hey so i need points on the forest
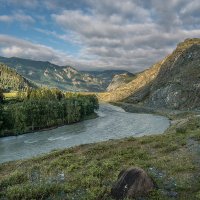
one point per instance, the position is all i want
(41, 108)
(11, 80)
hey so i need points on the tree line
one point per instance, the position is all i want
(42, 108)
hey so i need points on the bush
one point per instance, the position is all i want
(14, 179)
(30, 191)
(181, 130)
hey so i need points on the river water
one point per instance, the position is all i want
(113, 123)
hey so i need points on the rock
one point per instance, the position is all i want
(131, 183)
(119, 80)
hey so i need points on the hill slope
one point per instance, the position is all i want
(119, 80)
(89, 171)
(63, 77)
(11, 80)
(172, 83)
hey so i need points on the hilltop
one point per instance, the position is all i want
(172, 83)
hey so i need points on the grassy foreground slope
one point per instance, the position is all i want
(88, 171)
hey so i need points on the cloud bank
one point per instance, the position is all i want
(129, 34)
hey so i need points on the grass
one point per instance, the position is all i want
(88, 171)
(10, 95)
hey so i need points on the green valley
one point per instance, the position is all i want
(99, 100)
(167, 90)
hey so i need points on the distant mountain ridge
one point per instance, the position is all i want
(108, 76)
(172, 83)
(63, 77)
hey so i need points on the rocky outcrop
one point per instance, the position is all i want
(177, 85)
(131, 183)
(173, 83)
(119, 80)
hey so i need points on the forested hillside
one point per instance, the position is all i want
(63, 77)
(42, 108)
(11, 80)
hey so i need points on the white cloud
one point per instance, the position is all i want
(19, 17)
(14, 47)
(5, 18)
(126, 34)
(21, 3)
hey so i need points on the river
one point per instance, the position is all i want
(113, 123)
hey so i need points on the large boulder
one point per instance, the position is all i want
(131, 183)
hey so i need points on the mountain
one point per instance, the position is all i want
(107, 76)
(172, 83)
(11, 80)
(63, 77)
(120, 80)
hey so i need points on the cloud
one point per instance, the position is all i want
(14, 47)
(21, 3)
(17, 17)
(6, 18)
(129, 34)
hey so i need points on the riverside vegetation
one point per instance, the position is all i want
(43, 108)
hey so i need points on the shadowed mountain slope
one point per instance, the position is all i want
(172, 83)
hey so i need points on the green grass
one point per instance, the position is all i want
(88, 171)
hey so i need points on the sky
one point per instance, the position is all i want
(96, 34)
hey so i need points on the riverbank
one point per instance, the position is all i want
(11, 133)
(113, 123)
(171, 114)
(179, 119)
(88, 171)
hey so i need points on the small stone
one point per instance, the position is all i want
(61, 176)
(172, 194)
